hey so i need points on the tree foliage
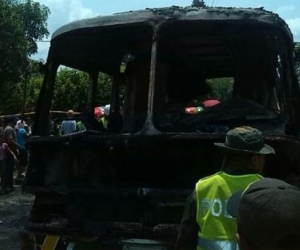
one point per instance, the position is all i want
(71, 90)
(221, 88)
(22, 23)
(12, 95)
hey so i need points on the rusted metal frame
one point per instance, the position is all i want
(41, 121)
(115, 94)
(273, 76)
(294, 90)
(279, 83)
(92, 90)
(295, 84)
(276, 87)
(35, 128)
(93, 84)
(289, 87)
(149, 128)
(128, 229)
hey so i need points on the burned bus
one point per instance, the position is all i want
(125, 187)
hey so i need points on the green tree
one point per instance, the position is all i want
(71, 90)
(221, 88)
(22, 23)
(13, 101)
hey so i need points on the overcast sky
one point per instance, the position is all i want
(65, 11)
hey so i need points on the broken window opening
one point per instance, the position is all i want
(187, 61)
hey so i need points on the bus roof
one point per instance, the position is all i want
(102, 41)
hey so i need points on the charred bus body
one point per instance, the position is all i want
(125, 187)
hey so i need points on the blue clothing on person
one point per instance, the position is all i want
(68, 127)
(21, 137)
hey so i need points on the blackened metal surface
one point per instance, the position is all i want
(70, 47)
(149, 127)
(167, 161)
(93, 83)
(42, 118)
(109, 213)
(128, 186)
(180, 13)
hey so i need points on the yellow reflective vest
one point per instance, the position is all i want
(217, 228)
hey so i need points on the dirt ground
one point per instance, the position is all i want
(14, 210)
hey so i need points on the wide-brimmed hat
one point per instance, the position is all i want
(268, 213)
(245, 139)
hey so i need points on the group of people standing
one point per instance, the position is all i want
(14, 134)
(70, 125)
(13, 152)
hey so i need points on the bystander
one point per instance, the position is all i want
(22, 136)
(68, 126)
(4, 150)
(268, 215)
(10, 139)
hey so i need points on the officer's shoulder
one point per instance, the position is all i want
(216, 175)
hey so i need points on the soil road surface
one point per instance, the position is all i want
(14, 210)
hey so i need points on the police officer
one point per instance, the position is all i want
(205, 223)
